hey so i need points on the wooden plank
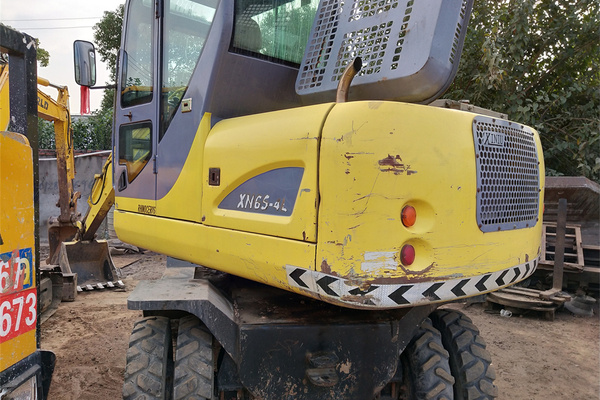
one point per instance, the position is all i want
(590, 247)
(580, 259)
(520, 301)
(548, 265)
(519, 290)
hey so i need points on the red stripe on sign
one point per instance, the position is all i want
(18, 313)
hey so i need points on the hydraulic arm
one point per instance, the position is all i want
(66, 224)
(83, 264)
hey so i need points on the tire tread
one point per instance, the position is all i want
(149, 360)
(470, 362)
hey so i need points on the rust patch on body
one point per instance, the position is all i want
(325, 268)
(421, 272)
(396, 165)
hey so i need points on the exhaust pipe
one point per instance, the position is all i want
(349, 73)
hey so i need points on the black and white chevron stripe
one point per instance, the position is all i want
(381, 296)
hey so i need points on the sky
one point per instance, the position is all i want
(57, 23)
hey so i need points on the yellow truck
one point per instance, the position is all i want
(25, 370)
(288, 150)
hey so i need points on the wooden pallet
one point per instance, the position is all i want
(518, 298)
(574, 260)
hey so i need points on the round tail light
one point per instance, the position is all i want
(407, 255)
(409, 216)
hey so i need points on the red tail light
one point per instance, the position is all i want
(407, 255)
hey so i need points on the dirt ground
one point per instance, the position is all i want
(534, 358)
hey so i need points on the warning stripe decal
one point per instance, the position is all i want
(339, 290)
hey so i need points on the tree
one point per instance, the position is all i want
(91, 133)
(537, 61)
(107, 35)
(94, 133)
(46, 134)
(42, 55)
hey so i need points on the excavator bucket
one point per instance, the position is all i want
(92, 263)
(58, 233)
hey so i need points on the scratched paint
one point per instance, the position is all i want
(377, 260)
(396, 165)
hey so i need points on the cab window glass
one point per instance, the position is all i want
(137, 70)
(135, 148)
(274, 30)
(186, 26)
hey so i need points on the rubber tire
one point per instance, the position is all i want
(194, 361)
(149, 369)
(425, 368)
(470, 362)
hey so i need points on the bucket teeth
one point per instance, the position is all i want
(103, 285)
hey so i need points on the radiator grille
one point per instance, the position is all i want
(508, 187)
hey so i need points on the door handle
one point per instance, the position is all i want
(122, 181)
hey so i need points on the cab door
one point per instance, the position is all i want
(137, 102)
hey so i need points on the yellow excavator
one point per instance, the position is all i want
(292, 151)
(76, 261)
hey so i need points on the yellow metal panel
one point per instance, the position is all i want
(16, 192)
(17, 349)
(374, 158)
(144, 206)
(18, 304)
(257, 257)
(182, 201)
(248, 146)
(4, 98)
(427, 162)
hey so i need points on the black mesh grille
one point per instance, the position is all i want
(508, 179)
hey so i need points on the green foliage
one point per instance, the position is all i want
(43, 57)
(92, 133)
(107, 36)
(538, 61)
(45, 134)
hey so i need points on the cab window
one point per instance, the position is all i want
(135, 147)
(272, 29)
(186, 25)
(137, 66)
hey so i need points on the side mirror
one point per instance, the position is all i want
(84, 55)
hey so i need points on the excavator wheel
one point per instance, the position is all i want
(470, 362)
(149, 369)
(425, 368)
(194, 361)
